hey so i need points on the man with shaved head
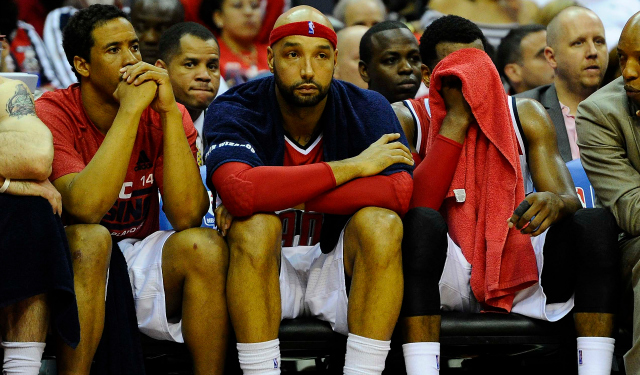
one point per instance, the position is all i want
(577, 51)
(349, 56)
(151, 18)
(608, 126)
(360, 12)
(315, 174)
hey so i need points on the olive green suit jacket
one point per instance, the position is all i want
(609, 141)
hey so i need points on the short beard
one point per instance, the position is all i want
(288, 93)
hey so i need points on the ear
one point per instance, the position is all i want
(549, 54)
(426, 74)
(217, 19)
(335, 59)
(513, 72)
(161, 64)
(362, 69)
(270, 57)
(81, 66)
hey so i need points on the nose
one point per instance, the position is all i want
(404, 67)
(306, 71)
(630, 70)
(130, 58)
(151, 36)
(202, 74)
(592, 50)
(248, 9)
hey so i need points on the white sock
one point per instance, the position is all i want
(422, 358)
(365, 356)
(260, 357)
(595, 355)
(22, 357)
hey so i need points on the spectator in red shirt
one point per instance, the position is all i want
(237, 24)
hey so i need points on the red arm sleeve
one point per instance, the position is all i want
(246, 190)
(432, 177)
(392, 192)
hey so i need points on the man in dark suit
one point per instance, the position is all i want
(608, 124)
(577, 51)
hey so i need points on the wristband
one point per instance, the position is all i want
(5, 186)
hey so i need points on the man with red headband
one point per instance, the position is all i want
(315, 173)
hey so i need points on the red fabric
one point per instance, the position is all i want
(364, 192)
(32, 12)
(273, 10)
(191, 10)
(236, 69)
(76, 140)
(246, 190)
(433, 176)
(502, 259)
(304, 28)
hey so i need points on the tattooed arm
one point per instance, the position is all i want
(26, 144)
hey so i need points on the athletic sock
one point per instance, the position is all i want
(422, 358)
(22, 358)
(595, 355)
(365, 356)
(260, 357)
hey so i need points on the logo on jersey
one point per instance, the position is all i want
(311, 28)
(580, 356)
(143, 162)
(437, 362)
(275, 363)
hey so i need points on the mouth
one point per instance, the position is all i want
(408, 84)
(593, 68)
(307, 88)
(206, 89)
(631, 90)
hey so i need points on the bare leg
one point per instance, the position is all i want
(424, 328)
(253, 288)
(373, 258)
(25, 321)
(90, 246)
(194, 270)
(594, 324)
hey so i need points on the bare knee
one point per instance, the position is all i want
(90, 246)
(377, 233)
(200, 249)
(257, 237)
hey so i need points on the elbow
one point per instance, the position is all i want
(404, 191)
(238, 204)
(40, 167)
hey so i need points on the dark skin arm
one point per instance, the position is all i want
(407, 123)
(556, 195)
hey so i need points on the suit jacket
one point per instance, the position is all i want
(609, 141)
(548, 96)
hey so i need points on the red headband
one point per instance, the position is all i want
(304, 28)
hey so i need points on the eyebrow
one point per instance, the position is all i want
(114, 44)
(292, 44)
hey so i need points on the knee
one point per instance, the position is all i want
(90, 246)
(598, 237)
(201, 249)
(424, 246)
(258, 236)
(379, 231)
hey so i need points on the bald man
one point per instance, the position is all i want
(360, 12)
(314, 210)
(151, 18)
(577, 51)
(608, 126)
(349, 56)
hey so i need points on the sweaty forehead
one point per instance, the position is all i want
(303, 13)
(115, 30)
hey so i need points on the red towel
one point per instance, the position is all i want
(502, 259)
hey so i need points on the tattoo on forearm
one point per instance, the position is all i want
(21, 103)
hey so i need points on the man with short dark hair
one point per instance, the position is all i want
(390, 61)
(120, 138)
(191, 55)
(520, 58)
(577, 51)
(470, 112)
(316, 174)
(151, 18)
(608, 128)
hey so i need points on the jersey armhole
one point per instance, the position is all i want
(417, 129)
(519, 125)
